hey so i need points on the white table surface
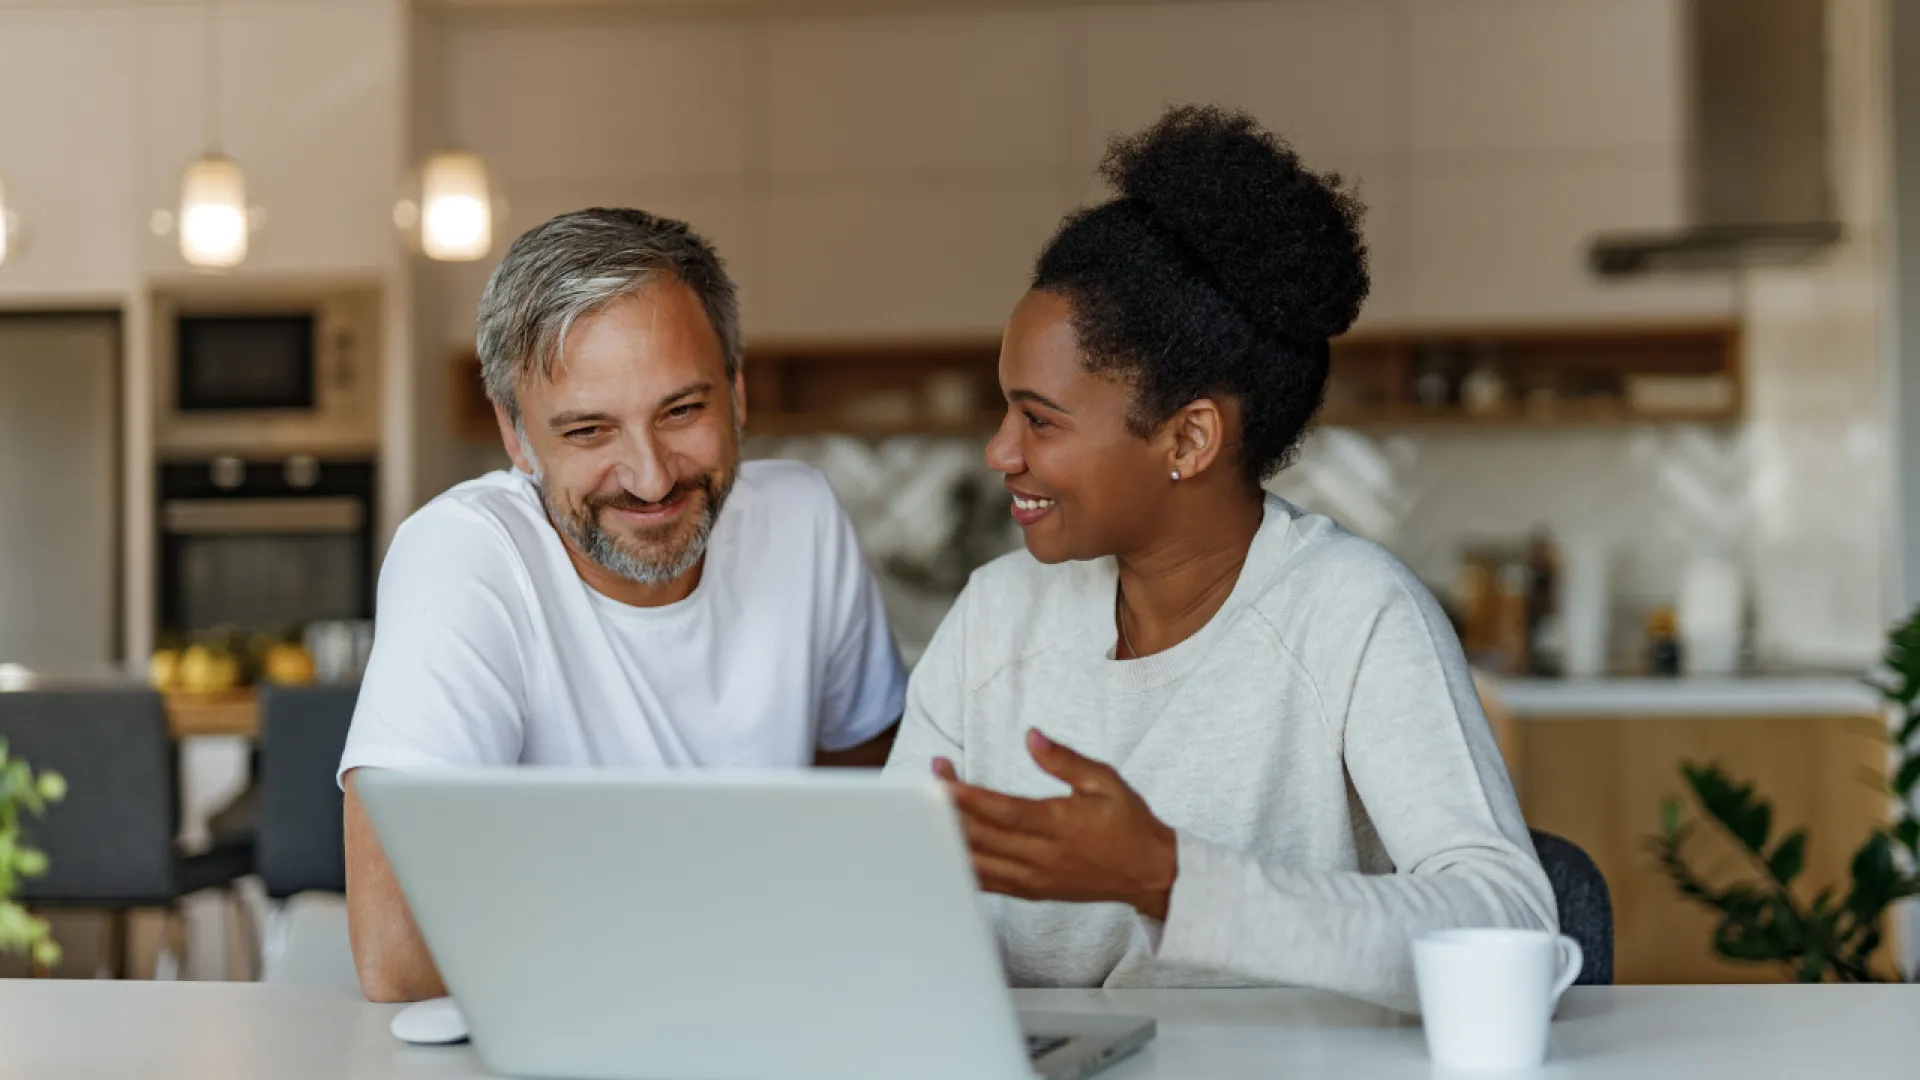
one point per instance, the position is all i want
(1773, 695)
(235, 1031)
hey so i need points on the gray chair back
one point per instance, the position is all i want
(110, 842)
(303, 731)
(1586, 908)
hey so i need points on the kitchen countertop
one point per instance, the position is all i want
(1758, 695)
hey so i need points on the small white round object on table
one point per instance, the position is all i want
(434, 1022)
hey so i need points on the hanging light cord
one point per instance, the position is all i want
(210, 70)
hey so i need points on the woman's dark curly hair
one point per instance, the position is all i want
(1222, 268)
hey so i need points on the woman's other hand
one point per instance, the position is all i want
(1100, 843)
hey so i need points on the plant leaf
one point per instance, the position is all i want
(1789, 858)
(1875, 881)
(1669, 817)
(1908, 833)
(1904, 780)
(1909, 729)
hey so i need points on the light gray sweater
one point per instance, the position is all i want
(1318, 747)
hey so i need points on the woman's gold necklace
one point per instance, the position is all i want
(1120, 617)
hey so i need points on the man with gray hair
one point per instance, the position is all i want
(629, 594)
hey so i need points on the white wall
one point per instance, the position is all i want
(102, 106)
(889, 174)
(875, 173)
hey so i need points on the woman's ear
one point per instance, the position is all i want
(1199, 432)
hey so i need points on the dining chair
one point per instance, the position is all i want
(300, 845)
(1585, 906)
(111, 843)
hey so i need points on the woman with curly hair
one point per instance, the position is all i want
(1279, 771)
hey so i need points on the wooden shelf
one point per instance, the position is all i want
(1586, 373)
(226, 712)
(878, 389)
(1559, 414)
(981, 424)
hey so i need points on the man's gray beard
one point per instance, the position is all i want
(600, 546)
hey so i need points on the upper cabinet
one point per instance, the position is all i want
(911, 168)
(1521, 76)
(1529, 128)
(1488, 139)
(1319, 72)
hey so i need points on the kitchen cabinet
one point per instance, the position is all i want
(1319, 72)
(930, 261)
(1598, 779)
(1530, 128)
(1503, 239)
(59, 584)
(1519, 76)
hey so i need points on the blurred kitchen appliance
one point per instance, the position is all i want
(266, 545)
(1583, 604)
(1711, 615)
(60, 480)
(271, 370)
(1759, 186)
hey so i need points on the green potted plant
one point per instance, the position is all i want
(22, 791)
(1761, 919)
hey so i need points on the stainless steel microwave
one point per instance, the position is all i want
(288, 371)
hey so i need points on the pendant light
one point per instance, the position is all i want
(213, 194)
(213, 212)
(456, 215)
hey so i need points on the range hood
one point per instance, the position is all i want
(1759, 187)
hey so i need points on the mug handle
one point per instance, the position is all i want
(1572, 959)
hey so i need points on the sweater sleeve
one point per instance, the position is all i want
(931, 725)
(1423, 762)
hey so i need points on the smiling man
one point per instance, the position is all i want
(628, 595)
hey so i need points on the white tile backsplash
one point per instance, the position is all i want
(1424, 495)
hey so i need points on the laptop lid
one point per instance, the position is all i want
(702, 925)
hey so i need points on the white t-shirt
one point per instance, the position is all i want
(489, 649)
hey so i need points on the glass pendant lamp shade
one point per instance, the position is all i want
(213, 213)
(456, 215)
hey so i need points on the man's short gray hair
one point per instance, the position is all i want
(573, 266)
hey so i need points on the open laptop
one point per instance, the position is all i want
(716, 926)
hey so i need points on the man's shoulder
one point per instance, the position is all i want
(479, 526)
(786, 508)
(787, 487)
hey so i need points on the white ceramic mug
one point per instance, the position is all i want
(1486, 995)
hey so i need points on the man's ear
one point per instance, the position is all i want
(510, 438)
(740, 398)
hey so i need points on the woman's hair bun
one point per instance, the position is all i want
(1281, 243)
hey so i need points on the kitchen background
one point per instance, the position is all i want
(1711, 451)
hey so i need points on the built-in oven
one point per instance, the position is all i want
(264, 545)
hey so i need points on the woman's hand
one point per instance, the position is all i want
(1101, 843)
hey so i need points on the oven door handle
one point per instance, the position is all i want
(262, 517)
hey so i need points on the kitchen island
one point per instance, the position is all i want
(1592, 760)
